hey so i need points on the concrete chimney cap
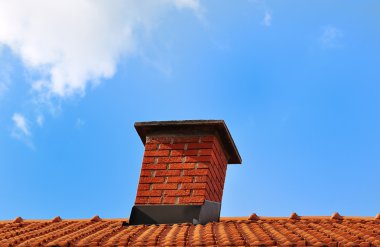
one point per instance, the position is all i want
(192, 127)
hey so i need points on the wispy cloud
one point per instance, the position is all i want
(330, 37)
(3, 87)
(40, 120)
(184, 4)
(21, 130)
(79, 123)
(74, 44)
(267, 19)
(21, 127)
(4, 76)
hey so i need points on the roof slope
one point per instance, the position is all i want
(259, 231)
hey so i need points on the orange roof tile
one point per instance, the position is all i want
(255, 231)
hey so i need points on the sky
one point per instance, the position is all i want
(297, 83)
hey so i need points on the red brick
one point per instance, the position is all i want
(147, 160)
(170, 160)
(213, 196)
(201, 179)
(212, 173)
(186, 139)
(209, 196)
(164, 173)
(145, 180)
(172, 146)
(193, 186)
(197, 172)
(154, 166)
(143, 187)
(192, 152)
(192, 199)
(218, 159)
(208, 138)
(172, 186)
(209, 186)
(160, 153)
(199, 192)
(197, 158)
(203, 165)
(145, 173)
(176, 192)
(141, 200)
(200, 145)
(154, 200)
(175, 153)
(158, 139)
(169, 200)
(149, 193)
(180, 179)
(205, 151)
(151, 146)
(182, 166)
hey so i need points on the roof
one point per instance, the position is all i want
(215, 127)
(252, 231)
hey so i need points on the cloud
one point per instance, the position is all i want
(267, 20)
(75, 44)
(21, 127)
(40, 120)
(183, 4)
(3, 87)
(330, 37)
(79, 123)
(5, 71)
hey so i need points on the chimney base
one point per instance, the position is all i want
(173, 214)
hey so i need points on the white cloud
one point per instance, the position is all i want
(5, 71)
(267, 20)
(330, 37)
(73, 44)
(3, 87)
(192, 4)
(40, 120)
(21, 125)
(79, 123)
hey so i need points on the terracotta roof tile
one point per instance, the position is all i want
(253, 217)
(336, 216)
(18, 220)
(57, 219)
(255, 231)
(96, 218)
(294, 216)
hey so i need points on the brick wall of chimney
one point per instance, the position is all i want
(182, 170)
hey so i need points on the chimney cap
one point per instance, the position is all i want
(215, 127)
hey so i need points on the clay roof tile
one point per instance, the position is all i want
(253, 217)
(96, 218)
(18, 220)
(57, 219)
(336, 216)
(294, 216)
(258, 231)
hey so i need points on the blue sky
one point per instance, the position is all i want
(297, 82)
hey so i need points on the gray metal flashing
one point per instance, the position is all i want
(173, 214)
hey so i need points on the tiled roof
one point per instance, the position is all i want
(253, 231)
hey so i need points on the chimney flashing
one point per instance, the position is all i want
(192, 127)
(175, 214)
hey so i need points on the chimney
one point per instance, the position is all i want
(183, 171)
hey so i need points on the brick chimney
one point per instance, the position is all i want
(183, 171)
